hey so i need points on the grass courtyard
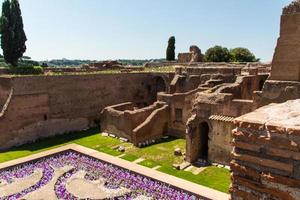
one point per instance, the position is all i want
(159, 155)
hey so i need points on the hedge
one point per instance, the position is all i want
(27, 70)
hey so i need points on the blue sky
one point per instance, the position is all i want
(137, 29)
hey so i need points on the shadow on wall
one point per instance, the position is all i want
(159, 85)
(55, 140)
(203, 143)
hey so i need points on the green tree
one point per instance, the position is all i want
(241, 54)
(13, 37)
(171, 49)
(217, 54)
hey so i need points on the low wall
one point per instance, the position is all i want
(266, 158)
(43, 106)
(122, 119)
(154, 127)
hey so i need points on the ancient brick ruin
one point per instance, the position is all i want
(34, 107)
(284, 81)
(266, 156)
(198, 102)
(138, 125)
(194, 56)
(265, 160)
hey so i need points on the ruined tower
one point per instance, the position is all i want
(286, 61)
(284, 81)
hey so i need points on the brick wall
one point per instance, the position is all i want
(43, 106)
(266, 157)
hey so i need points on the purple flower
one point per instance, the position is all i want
(115, 178)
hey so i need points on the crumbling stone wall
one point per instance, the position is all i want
(122, 119)
(220, 146)
(180, 110)
(217, 106)
(284, 81)
(154, 127)
(184, 57)
(286, 61)
(194, 56)
(266, 158)
(43, 106)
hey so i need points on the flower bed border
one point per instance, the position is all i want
(174, 182)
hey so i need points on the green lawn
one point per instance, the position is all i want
(129, 157)
(148, 163)
(158, 154)
(213, 177)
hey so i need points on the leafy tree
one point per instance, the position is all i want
(13, 37)
(171, 49)
(242, 55)
(217, 54)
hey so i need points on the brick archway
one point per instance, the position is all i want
(203, 132)
(160, 83)
(197, 139)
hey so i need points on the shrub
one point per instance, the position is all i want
(27, 63)
(44, 64)
(27, 70)
(217, 54)
(242, 55)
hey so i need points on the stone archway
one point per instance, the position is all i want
(197, 139)
(203, 140)
(160, 84)
(261, 84)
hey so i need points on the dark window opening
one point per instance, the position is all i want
(45, 117)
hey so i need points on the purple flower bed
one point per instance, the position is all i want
(115, 177)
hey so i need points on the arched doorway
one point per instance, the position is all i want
(157, 85)
(261, 84)
(160, 85)
(203, 143)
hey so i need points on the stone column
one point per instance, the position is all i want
(266, 157)
(192, 139)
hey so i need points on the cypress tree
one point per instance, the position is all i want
(171, 49)
(13, 37)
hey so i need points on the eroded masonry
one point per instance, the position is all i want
(198, 102)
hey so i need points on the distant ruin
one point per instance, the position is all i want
(194, 56)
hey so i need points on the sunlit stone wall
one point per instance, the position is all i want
(266, 157)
